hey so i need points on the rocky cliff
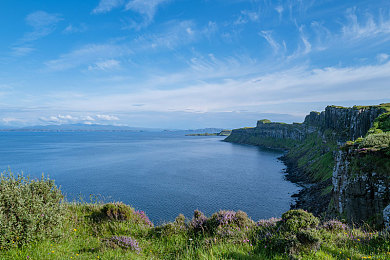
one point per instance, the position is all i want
(342, 152)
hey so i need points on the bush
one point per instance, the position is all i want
(30, 210)
(198, 223)
(117, 211)
(298, 219)
(381, 140)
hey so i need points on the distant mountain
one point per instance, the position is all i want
(82, 127)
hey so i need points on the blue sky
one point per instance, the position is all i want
(189, 64)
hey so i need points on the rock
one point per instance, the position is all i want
(386, 217)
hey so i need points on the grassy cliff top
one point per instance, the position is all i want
(385, 106)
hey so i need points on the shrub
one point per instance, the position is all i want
(198, 223)
(30, 210)
(380, 140)
(298, 219)
(117, 211)
(169, 229)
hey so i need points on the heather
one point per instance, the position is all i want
(115, 230)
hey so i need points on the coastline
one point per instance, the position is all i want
(310, 197)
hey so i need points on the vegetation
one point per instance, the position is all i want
(117, 231)
(316, 163)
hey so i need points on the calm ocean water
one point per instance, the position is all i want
(163, 174)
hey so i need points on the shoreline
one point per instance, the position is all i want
(310, 197)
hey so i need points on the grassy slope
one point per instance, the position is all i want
(83, 235)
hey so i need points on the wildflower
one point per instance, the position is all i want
(52, 251)
(77, 254)
(75, 230)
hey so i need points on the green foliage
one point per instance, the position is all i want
(314, 156)
(381, 124)
(30, 210)
(377, 141)
(117, 211)
(84, 238)
(298, 219)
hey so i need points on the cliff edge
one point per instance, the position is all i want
(340, 155)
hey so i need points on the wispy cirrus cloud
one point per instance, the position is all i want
(105, 65)
(276, 47)
(105, 6)
(75, 29)
(252, 91)
(22, 50)
(368, 26)
(172, 35)
(43, 24)
(92, 55)
(145, 8)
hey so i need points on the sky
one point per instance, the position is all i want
(183, 64)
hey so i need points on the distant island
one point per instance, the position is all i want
(222, 133)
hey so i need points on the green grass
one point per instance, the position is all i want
(82, 238)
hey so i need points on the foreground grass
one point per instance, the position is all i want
(87, 228)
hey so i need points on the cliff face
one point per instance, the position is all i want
(354, 180)
(361, 185)
(347, 123)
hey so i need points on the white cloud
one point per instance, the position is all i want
(43, 24)
(22, 50)
(75, 29)
(147, 9)
(382, 57)
(107, 117)
(247, 16)
(253, 91)
(105, 65)
(280, 10)
(8, 120)
(360, 28)
(173, 35)
(267, 35)
(91, 54)
(107, 5)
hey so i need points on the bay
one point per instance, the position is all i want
(164, 173)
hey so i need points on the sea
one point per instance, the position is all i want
(161, 173)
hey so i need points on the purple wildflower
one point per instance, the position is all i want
(143, 218)
(225, 217)
(334, 225)
(124, 242)
(199, 220)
